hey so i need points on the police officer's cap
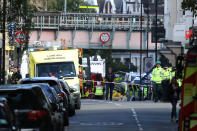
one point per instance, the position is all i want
(158, 62)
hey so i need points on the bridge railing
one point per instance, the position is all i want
(58, 20)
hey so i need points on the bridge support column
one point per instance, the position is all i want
(39, 32)
(89, 37)
(128, 39)
(56, 34)
(73, 37)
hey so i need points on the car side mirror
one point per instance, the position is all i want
(79, 76)
(80, 60)
(72, 90)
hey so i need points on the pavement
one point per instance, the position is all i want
(101, 115)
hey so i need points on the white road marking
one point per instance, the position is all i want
(140, 128)
(101, 124)
(117, 104)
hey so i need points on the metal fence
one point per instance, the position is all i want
(58, 20)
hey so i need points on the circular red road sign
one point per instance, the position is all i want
(105, 37)
(20, 37)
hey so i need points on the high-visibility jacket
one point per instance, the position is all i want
(99, 91)
(157, 75)
(166, 75)
(172, 74)
(179, 81)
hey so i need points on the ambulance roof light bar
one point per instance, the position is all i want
(48, 48)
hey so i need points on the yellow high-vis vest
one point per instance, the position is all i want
(157, 75)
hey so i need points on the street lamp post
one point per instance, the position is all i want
(156, 39)
(65, 6)
(141, 46)
(147, 26)
(3, 41)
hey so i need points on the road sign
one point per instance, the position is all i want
(9, 47)
(20, 37)
(148, 64)
(105, 37)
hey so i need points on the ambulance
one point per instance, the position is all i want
(61, 63)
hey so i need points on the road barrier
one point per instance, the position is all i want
(121, 89)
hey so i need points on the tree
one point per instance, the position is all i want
(20, 10)
(190, 5)
(116, 65)
(72, 5)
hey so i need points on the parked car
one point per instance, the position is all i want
(52, 95)
(76, 96)
(7, 118)
(32, 107)
(71, 97)
(54, 83)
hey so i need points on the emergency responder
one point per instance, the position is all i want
(156, 79)
(16, 76)
(172, 72)
(165, 83)
(109, 83)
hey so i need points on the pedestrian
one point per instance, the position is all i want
(109, 83)
(174, 97)
(156, 78)
(16, 76)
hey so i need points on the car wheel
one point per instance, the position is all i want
(78, 105)
(66, 120)
(60, 127)
(72, 112)
(72, 109)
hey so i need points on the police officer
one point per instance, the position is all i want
(109, 85)
(165, 83)
(16, 76)
(156, 79)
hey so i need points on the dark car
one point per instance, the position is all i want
(76, 95)
(54, 83)
(7, 118)
(71, 97)
(51, 93)
(32, 107)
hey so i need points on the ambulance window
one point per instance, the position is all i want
(59, 69)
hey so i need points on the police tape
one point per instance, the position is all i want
(118, 83)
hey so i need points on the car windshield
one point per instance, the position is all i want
(59, 70)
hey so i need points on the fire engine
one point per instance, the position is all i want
(188, 114)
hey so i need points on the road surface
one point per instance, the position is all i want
(101, 115)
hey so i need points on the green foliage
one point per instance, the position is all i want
(119, 66)
(17, 10)
(72, 5)
(190, 5)
(116, 65)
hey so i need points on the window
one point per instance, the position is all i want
(59, 69)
